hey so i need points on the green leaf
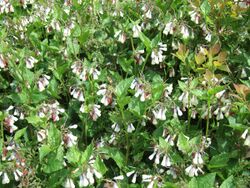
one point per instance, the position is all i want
(126, 64)
(38, 97)
(20, 133)
(73, 46)
(182, 85)
(215, 90)
(146, 41)
(43, 151)
(206, 181)
(100, 166)
(54, 161)
(163, 144)
(205, 7)
(54, 136)
(53, 165)
(87, 153)
(122, 87)
(228, 183)
(219, 161)
(183, 143)
(236, 126)
(156, 40)
(123, 100)
(85, 34)
(116, 155)
(157, 90)
(137, 107)
(193, 183)
(73, 155)
(34, 120)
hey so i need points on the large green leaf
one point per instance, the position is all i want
(205, 7)
(20, 133)
(100, 166)
(54, 136)
(219, 161)
(116, 155)
(183, 143)
(228, 183)
(146, 41)
(122, 86)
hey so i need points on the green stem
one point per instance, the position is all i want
(86, 133)
(2, 133)
(144, 63)
(127, 139)
(208, 114)
(189, 111)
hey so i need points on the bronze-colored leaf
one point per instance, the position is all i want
(200, 58)
(215, 49)
(222, 56)
(242, 89)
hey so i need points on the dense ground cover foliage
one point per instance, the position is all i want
(106, 93)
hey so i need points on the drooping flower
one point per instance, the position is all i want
(197, 160)
(136, 31)
(170, 139)
(95, 73)
(246, 137)
(17, 174)
(149, 178)
(6, 6)
(107, 95)
(177, 112)
(148, 14)
(77, 67)
(208, 37)
(69, 183)
(168, 90)
(51, 111)
(193, 170)
(185, 32)
(41, 135)
(43, 82)
(157, 54)
(9, 123)
(172, 171)
(169, 28)
(220, 94)
(73, 126)
(120, 177)
(122, 38)
(140, 91)
(160, 113)
(77, 94)
(195, 16)
(83, 182)
(95, 113)
(166, 161)
(5, 179)
(66, 32)
(30, 62)
(130, 128)
(3, 62)
(69, 139)
(138, 57)
(116, 127)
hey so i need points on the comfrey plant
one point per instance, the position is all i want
(115, 94)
